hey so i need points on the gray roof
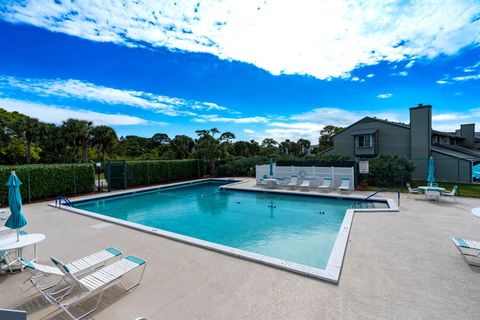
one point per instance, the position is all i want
(359, 132)
(457, 152)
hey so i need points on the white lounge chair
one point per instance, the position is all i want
(327, 184)
(469, 249)
(41, 272)
(411, 190)
(344, 185)
(451, 193)
(293, 182)
(305, 184)
(92, 284)
(433, 194)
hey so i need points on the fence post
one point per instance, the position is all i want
(28, 179)
(74, 181)
(333, 176)
(148, 173)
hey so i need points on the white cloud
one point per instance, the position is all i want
(449, 116)
(410, 64)
(466, 78)
(370, 75)
(441, 82)
(249, 131)
(78, 89)
(56, 114)
(385, 95)
(403, 73)
(240, 120)
(320, 38)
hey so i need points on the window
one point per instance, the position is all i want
(365, 141)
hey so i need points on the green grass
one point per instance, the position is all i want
(464, 190)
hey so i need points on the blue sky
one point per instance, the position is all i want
(256, 68)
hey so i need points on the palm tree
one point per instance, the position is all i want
(28, 129)
(77, 134)
(103, 137)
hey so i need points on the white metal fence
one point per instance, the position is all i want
(314, 174)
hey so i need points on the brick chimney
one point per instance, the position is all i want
(467, 131)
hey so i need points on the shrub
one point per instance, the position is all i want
(240, 167)
(389, 170)
(148, 172)
(49, 180)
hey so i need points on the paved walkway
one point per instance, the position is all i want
(397, 266)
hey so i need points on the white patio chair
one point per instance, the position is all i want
(41, 272)
(344, 185)
(293, 182)
(412, 191)
(305, 185)
(451, 193)
(327, 184)
(94, 283)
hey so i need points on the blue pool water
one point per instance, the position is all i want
(300, 229)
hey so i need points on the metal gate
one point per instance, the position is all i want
(116, 175)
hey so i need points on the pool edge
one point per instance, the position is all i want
(332, 271)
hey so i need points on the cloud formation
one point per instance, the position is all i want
(78, 89)
(324, 39)
(56, 114)
(385, 95)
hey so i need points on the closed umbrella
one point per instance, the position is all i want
(17, 219)
(431, 172)
(271, 167)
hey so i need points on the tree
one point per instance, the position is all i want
(77, 134)
(27, 128)
(269, 147)
(207, 147)
(103, 137)
(182, 146)
(326, 136)
(303, 146)
(161, 138)
(227, 137)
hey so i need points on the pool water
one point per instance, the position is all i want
(300, 229)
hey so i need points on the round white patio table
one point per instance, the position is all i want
(11, 243)
(476, 212)
(433, 188)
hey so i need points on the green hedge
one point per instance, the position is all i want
(389, 170)
(49, 180)
(240, 167)
(148, 172)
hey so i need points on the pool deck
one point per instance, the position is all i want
(397, 266)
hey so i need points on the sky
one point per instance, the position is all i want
(260, 69)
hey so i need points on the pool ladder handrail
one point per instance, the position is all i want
(382, 190)
(59, 199)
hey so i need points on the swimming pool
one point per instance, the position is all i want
(292, 230)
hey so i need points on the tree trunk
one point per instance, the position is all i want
(29, 152)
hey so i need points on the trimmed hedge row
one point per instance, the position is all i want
(41, 181)
(148, 172)
(240, 167)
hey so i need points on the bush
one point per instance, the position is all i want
(49, 180)
(240, 167)
(140, 173)
(389, 170)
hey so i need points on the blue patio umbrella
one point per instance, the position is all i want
(271, 166)
(17, 219)
(431, 172)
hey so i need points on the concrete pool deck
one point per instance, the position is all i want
(397, 266)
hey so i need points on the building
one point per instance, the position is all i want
(455, 153)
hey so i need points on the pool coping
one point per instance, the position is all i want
(334, 265)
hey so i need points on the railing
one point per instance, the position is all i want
(381, 190)
(66, 201)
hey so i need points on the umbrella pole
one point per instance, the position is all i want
(18, 235)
